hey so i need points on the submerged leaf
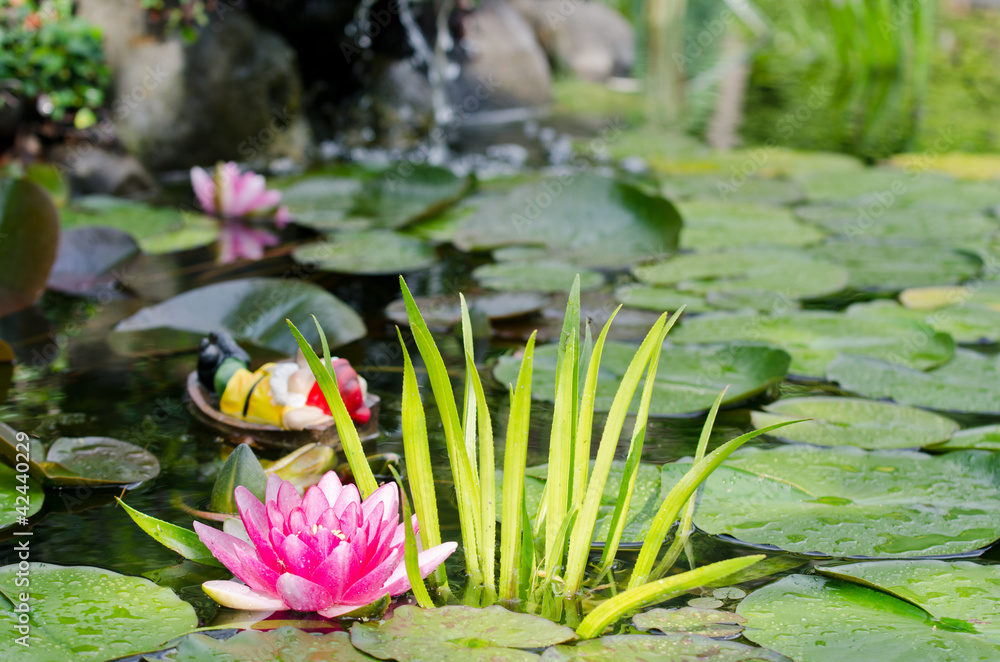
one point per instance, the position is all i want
(29, 235)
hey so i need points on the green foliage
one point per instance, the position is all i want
(45, 50)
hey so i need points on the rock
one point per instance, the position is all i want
(506, 68)
(589, 39)
(234, 93)
(93, 169)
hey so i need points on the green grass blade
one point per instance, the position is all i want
(561, 437)
(583, 532)
(632, 462)
(631, 600)
(513, 509)
(471, 403)
(416, 450)
(410, 549)
(585, 425)
(349, 438)
(686, 525)
(679, 495)
(183, 541)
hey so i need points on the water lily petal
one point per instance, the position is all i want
(348, 496)
(301, 594)
(429, 559)
(298, 556)
(256, 524)
(274, 482)
(226, 548)
(275, 517)
(234, 527)
(369, 586)
(247, 188)
(331, 486)
(314, 504)
(336, 571)
(282, 217)
(297, 521)
(240, 596)
(204, 189)
(388, 495)
(338, 610)
(288, 498)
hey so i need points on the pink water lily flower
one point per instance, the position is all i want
(328, 552)
(228, 193)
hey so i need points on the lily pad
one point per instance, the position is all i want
(587, 219)
(31, 496)
(820, 619)
(846, 502)
(661, 299)
(286, 643)
(970, 382)
(932, 298)
(444, 312)
(691, 620)
(398, 197)
(370, 253)
(717, 186)
(786, 273)
(967, 323)
(689, 380)
(929, 225)
(891, 267)
(323, 202)
(659, 648)
(253, 310)
(29, 235)
(84, 613)
(462, 634)
(90, 259)
(814, 338)
(986, 437)
(855, 422)
(536, 276)
(712, 225)
(156, 229)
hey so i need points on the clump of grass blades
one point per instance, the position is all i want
(559, 537)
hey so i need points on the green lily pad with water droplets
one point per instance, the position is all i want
(286, 643)
(710, 225)
(947, 614)
(788, 275)
(659, 648)
(462, 634)
(921, 224)
(967, 323)
(587, 219)
(891, 267)
(687, 382)
(691, 620)
(854, 422)
(846, 502)
(814, 338)
(986, 437)
(371, 252)
(85, 613)
(970, 382)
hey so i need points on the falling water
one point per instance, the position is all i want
(437, 65)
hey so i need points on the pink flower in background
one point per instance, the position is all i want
(228, 194)
(328, 552)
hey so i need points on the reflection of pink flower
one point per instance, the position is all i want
(328, 552)
(238, 240)
(227, 193)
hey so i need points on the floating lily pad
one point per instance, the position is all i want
(90, 259)
(84, 613)
(286, 643)
(967, 323)
(587, 219)
(986, 437)
(870, 186)
(970, 382)
(820, 619)
(646, 499)
(931, 225)
(786, 273)
(442, 313)
(848, 502)
(660, 299)
(659, 648)
(688, 381)
(713, 225)
(323, 202)
(462, 634)
(932, 298)
(156, 229)
(891, 267)
(814, 338)
(253, 310)
(29, 235)
(31, 493)
(371, 252)
(404, 195)
(691, 620)
(538, 276)
(855, 422)
(718, 186)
